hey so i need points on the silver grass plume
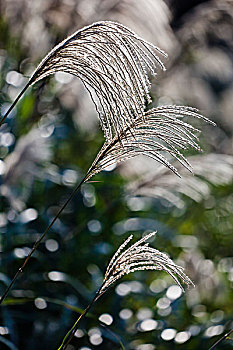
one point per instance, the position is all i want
(158, 182)
(113, 64)
(113, 61)
(161, 130)
(137, 257)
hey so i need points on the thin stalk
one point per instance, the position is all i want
(70, 334)
(20, 270)
(221, 339)
(15, 102)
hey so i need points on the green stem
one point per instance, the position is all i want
(221, 339)
(20, 270)
(15, 102)
(70, 334)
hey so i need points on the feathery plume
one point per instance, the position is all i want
(113, 64)
(160, 131)
(113, 61)
(137, 257)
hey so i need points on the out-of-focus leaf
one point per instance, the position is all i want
(8, 343)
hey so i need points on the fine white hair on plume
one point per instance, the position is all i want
(160, 131)
(138, 257)
(113, 63)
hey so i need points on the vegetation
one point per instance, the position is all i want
(45, 154)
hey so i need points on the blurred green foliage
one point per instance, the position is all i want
(68, 267)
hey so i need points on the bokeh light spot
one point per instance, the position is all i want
(40, 303)
(51, 245)
(14, 78)
(182, 337)
(79, 333)
(158, 285)
(144, 313)
(125, 314)
(148, 325)
(94, 226)
(7, 139)
(163, 303)
(56, 276)
(213, 330)
(4, 330)
(123, 289)
(168, 334)
(173, 292)
(106, 318)
(28, 215)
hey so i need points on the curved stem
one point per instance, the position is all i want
(20, 270)
(221, 339)
(15, 102)
(69, 335)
